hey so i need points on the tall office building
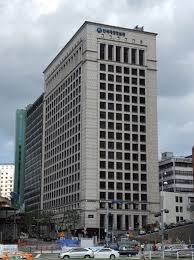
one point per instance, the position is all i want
(176, 172)
(19, 154)
(33, 155)
(7, 179)
(100, 128)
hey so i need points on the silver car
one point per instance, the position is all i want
(77, 253)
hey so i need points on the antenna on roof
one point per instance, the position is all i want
(139, 28)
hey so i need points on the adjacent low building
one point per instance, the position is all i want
(6, 179)
(178, 205)
(175, 173)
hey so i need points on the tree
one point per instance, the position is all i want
(71, 219)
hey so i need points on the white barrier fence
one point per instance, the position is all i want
(168, 254)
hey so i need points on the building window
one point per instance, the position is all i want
(102, 164)
(126, 70)
(103, 195)
(177, 219)
(102, 76)
(177, 209)
(110, 77)
(111, 185)
(102, 185)
(118, 69)
(110, 68)
(103, 67)
(102, 174)
(110, 52)
(126, 55)
(102, 86)
(141, 57)
(102, 51)
(181, 199)
(142, 73)
(181, 209)
(177, 199)
(118, 53)
(133, 56)
(111, 175)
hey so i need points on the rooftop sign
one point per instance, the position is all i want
(109, 31)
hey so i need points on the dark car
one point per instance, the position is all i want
(47, 239)
(127, 251)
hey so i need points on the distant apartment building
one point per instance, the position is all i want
(175, 173)
(33, 155)
(6, 179)
(178, 205)
(100, 128)
(19, 154)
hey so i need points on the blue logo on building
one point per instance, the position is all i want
(99, 30)
(109, 31)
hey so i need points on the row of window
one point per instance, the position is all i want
(120, 175)
(123, 196)
(120, 117)
(120, 186)
(57, 202)
(120, 98)
(120, 69)
(122, 166)
(122, 54)
(112, 106)
(121, 156)
(120, 79)
(66, 67)
(119, 88)
(112, 146)
(126, 127)
(60, 192)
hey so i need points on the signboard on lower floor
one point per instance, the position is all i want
(8, 248)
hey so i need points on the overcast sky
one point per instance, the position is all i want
(32, 33)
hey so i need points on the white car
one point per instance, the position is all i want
(106, 253)
(77, 253)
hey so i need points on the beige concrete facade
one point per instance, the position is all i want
(77, 177)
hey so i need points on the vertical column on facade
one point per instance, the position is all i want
(122, 54)
(122, 222)
(132, 220)
(114, 53)
(115, 221)
(137, 57)
(106, 51)
(129, 221)
(129, 56)
(140, 221)
(98, 53)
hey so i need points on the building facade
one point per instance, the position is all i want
(33, 155)
(176, 173)
(7, 179)
(100, 128)
(20, 154)
(178, 205)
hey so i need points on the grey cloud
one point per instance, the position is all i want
(29, 41)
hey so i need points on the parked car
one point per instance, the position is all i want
(106, 253)
(171, 225)
(142, 232)
(191, 247)
(188, 221)
(127, 251)
(77, 253)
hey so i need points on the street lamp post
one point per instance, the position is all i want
(162, 211)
